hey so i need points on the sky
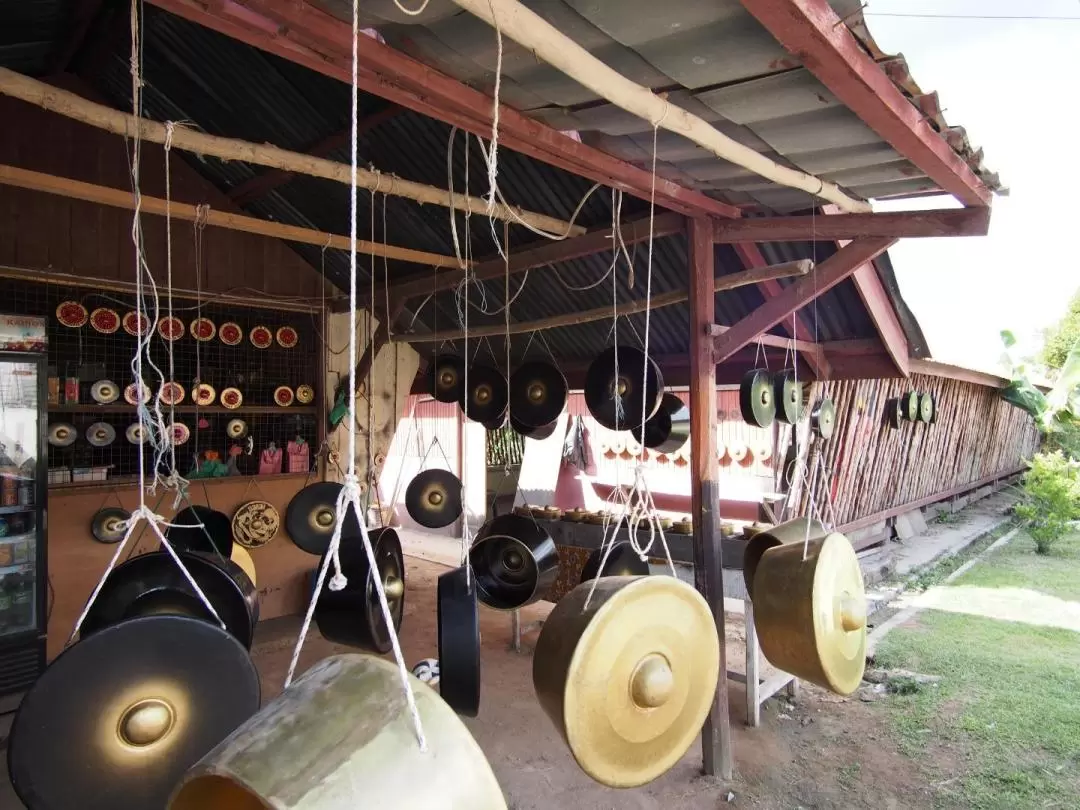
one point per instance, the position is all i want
(1014, 86)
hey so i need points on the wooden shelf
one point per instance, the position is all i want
(305, 410)
(7, 510)
(132, 481)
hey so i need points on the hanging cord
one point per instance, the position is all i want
(493, 158)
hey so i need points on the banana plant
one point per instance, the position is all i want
(1061, 404)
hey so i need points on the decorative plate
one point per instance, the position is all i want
(204, 394)
(171, 393)
(171, 328)
(236, 429)
(72, 313)
(135, 433)
(230, 333)
(287, 337)
(283, 396)
(105, 320)
(132, 323)
(105, 392)
(180, 433)
(62, 434)
(305, 394)
(101, 434)
(134, 392)
(203, 329)
(231, 398)
(261, 337)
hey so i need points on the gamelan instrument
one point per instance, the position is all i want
(200, 528)
(105, 392)
(789, 395)
(539, 433)
(624, 400)
(446, 378)
(433, 498)
(459, 642)
(538, 393)
(895, 411)
(349, 715)
(109, 524)
(100, 434)
(823, 418)
(255, 523)
(810, 614)
(623, 561)
(62, 434)
(117, 719)
(310, 517)
(353, 615)
(153, 584)
(927, 411)
(909, 402)
(514, 562)
(793, 531)
(241, 557)
(629, 678)
(669, 428)
(486, 398)
(757, 400)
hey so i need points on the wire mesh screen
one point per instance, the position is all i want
(261, 366)
(504, 448)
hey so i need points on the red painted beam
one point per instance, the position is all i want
(950, 372)
(898, 224)
(811, 31)
(825, 276)
(879, 306)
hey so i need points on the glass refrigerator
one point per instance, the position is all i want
(23, 490)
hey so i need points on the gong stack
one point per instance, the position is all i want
(514, 562)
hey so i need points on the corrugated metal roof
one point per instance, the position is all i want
(31, 32)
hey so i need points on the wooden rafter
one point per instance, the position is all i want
(82, 18)
(898, 225)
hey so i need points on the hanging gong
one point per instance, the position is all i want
(62, 434)
(793, 531)
(894, 411)
(459, 642)
(109, 524)
(236, 429)
(498, 421)
(669, 428)
(255, 523)
(486, 398)
(623, 561)
(823, 418)
(214, 533)
(738, 451)
(539, 433)
(628, 680)
(433, 498)
(310, 516)
(354, 615)
(909, 402)
(537, 394)
(446, 378)
(117, 718)
(789, 394)
(347, 713)
(242, 558)
(810, 614)
(926, 408)
(153, 583)
(514, 561)
(624, 400)
(757, 400)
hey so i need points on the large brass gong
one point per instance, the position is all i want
(629, 680)
(794, 531)
(810, 614)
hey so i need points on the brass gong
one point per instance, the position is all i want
(514, 562)
(894, 411)
(539, 434)
(242, 558)
(433, 498)
(789, 395)
(116, 719)
(926, 408)
(255, 523)
(310, 517)
(537, 394)
(810, 614)
(446, 378)
(823, 418)
(761, 540)
(200, 528)
(109, 524)
(622, 390)
(757, 399)
(629, 680)
(909, 403)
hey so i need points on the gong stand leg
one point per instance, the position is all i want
(516, 630)
(753, 684)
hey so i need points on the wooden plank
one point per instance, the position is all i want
(898, 225)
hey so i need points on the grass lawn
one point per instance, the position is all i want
(1002, 729)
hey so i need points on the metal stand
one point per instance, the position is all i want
(516, 629)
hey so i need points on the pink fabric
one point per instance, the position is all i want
(299, 456)
(270, 462)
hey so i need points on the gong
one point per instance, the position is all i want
(349, 714)
(669, 428)
(810, 614)
(214, 533)
(514, 562)
(485, 400)
(433, 498)
(242, 558)
(353, 615)
(789, 395)
(623, 400)
(757, 400)
(537, 394)
(793, 531)
(623, 561)
(823, 418)
(894, 412)
(109, 524)
(310, 516)
(459, 642)
(926, 408)
(117, 718)
(498, 421)
(539, 434)
(62, 434)
(153, 584)
(909, 402)
(255, 523)
(629, 679)
(446, 378)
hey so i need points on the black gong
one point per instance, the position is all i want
(933, 407)
(433, 498)
(926, 408)
(788, 393)
(446, 377)
(310, 517)
(215, 532)
(514, 562)
(615, 400)
(486, 397)
(117, 719)
(623, 561)
(353, 615)
(757, 400)
(537, 395)
(894, 411)
(498, 421)
(459, 642)
(823, 418)
(669, 427)
(108, 524)
(538, 433)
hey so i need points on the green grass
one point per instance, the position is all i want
(1017, 565)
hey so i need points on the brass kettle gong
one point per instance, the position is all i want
(793, 531)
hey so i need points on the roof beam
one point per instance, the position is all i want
(308, 36)
(827, 275)
(83, 16)
(812, 32)
(897, 225)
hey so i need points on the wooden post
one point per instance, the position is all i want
(704, 484)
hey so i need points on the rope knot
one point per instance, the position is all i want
(142, 511)
(170, 128)
(351, 488)
(338, 582)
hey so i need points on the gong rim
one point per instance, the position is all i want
(894, 412)
(446, 378)
(103, 525)
(251, 534)
(926, 408)
(304, 517)
(823, 418)
(487, 396)
(505, 580)
(537, 434)
(213, 536)
(910, 405)
(669, 428)
(86, 694)
(458, 616)
(623, 561)
(538, 393)
(600, 383)
(792, 531)
(757, 401)
(789, 395)
(421, 493)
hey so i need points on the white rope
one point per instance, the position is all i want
(493, 158)
(412, 12)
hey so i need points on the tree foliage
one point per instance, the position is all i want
(1063, 336)
(1051, 498)
(1061, 405)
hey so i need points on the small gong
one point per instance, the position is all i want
(514, 562)
(823, 418)
(622, 390)
(433, 498)
(909, 402)
(669, 428)
(894, 411)
(757, 399)
(109, 524)
(310, 517)
(537, 394)
(446, 378)
(789, 395)
(459, 642)
(486, 398)
(926, 408)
